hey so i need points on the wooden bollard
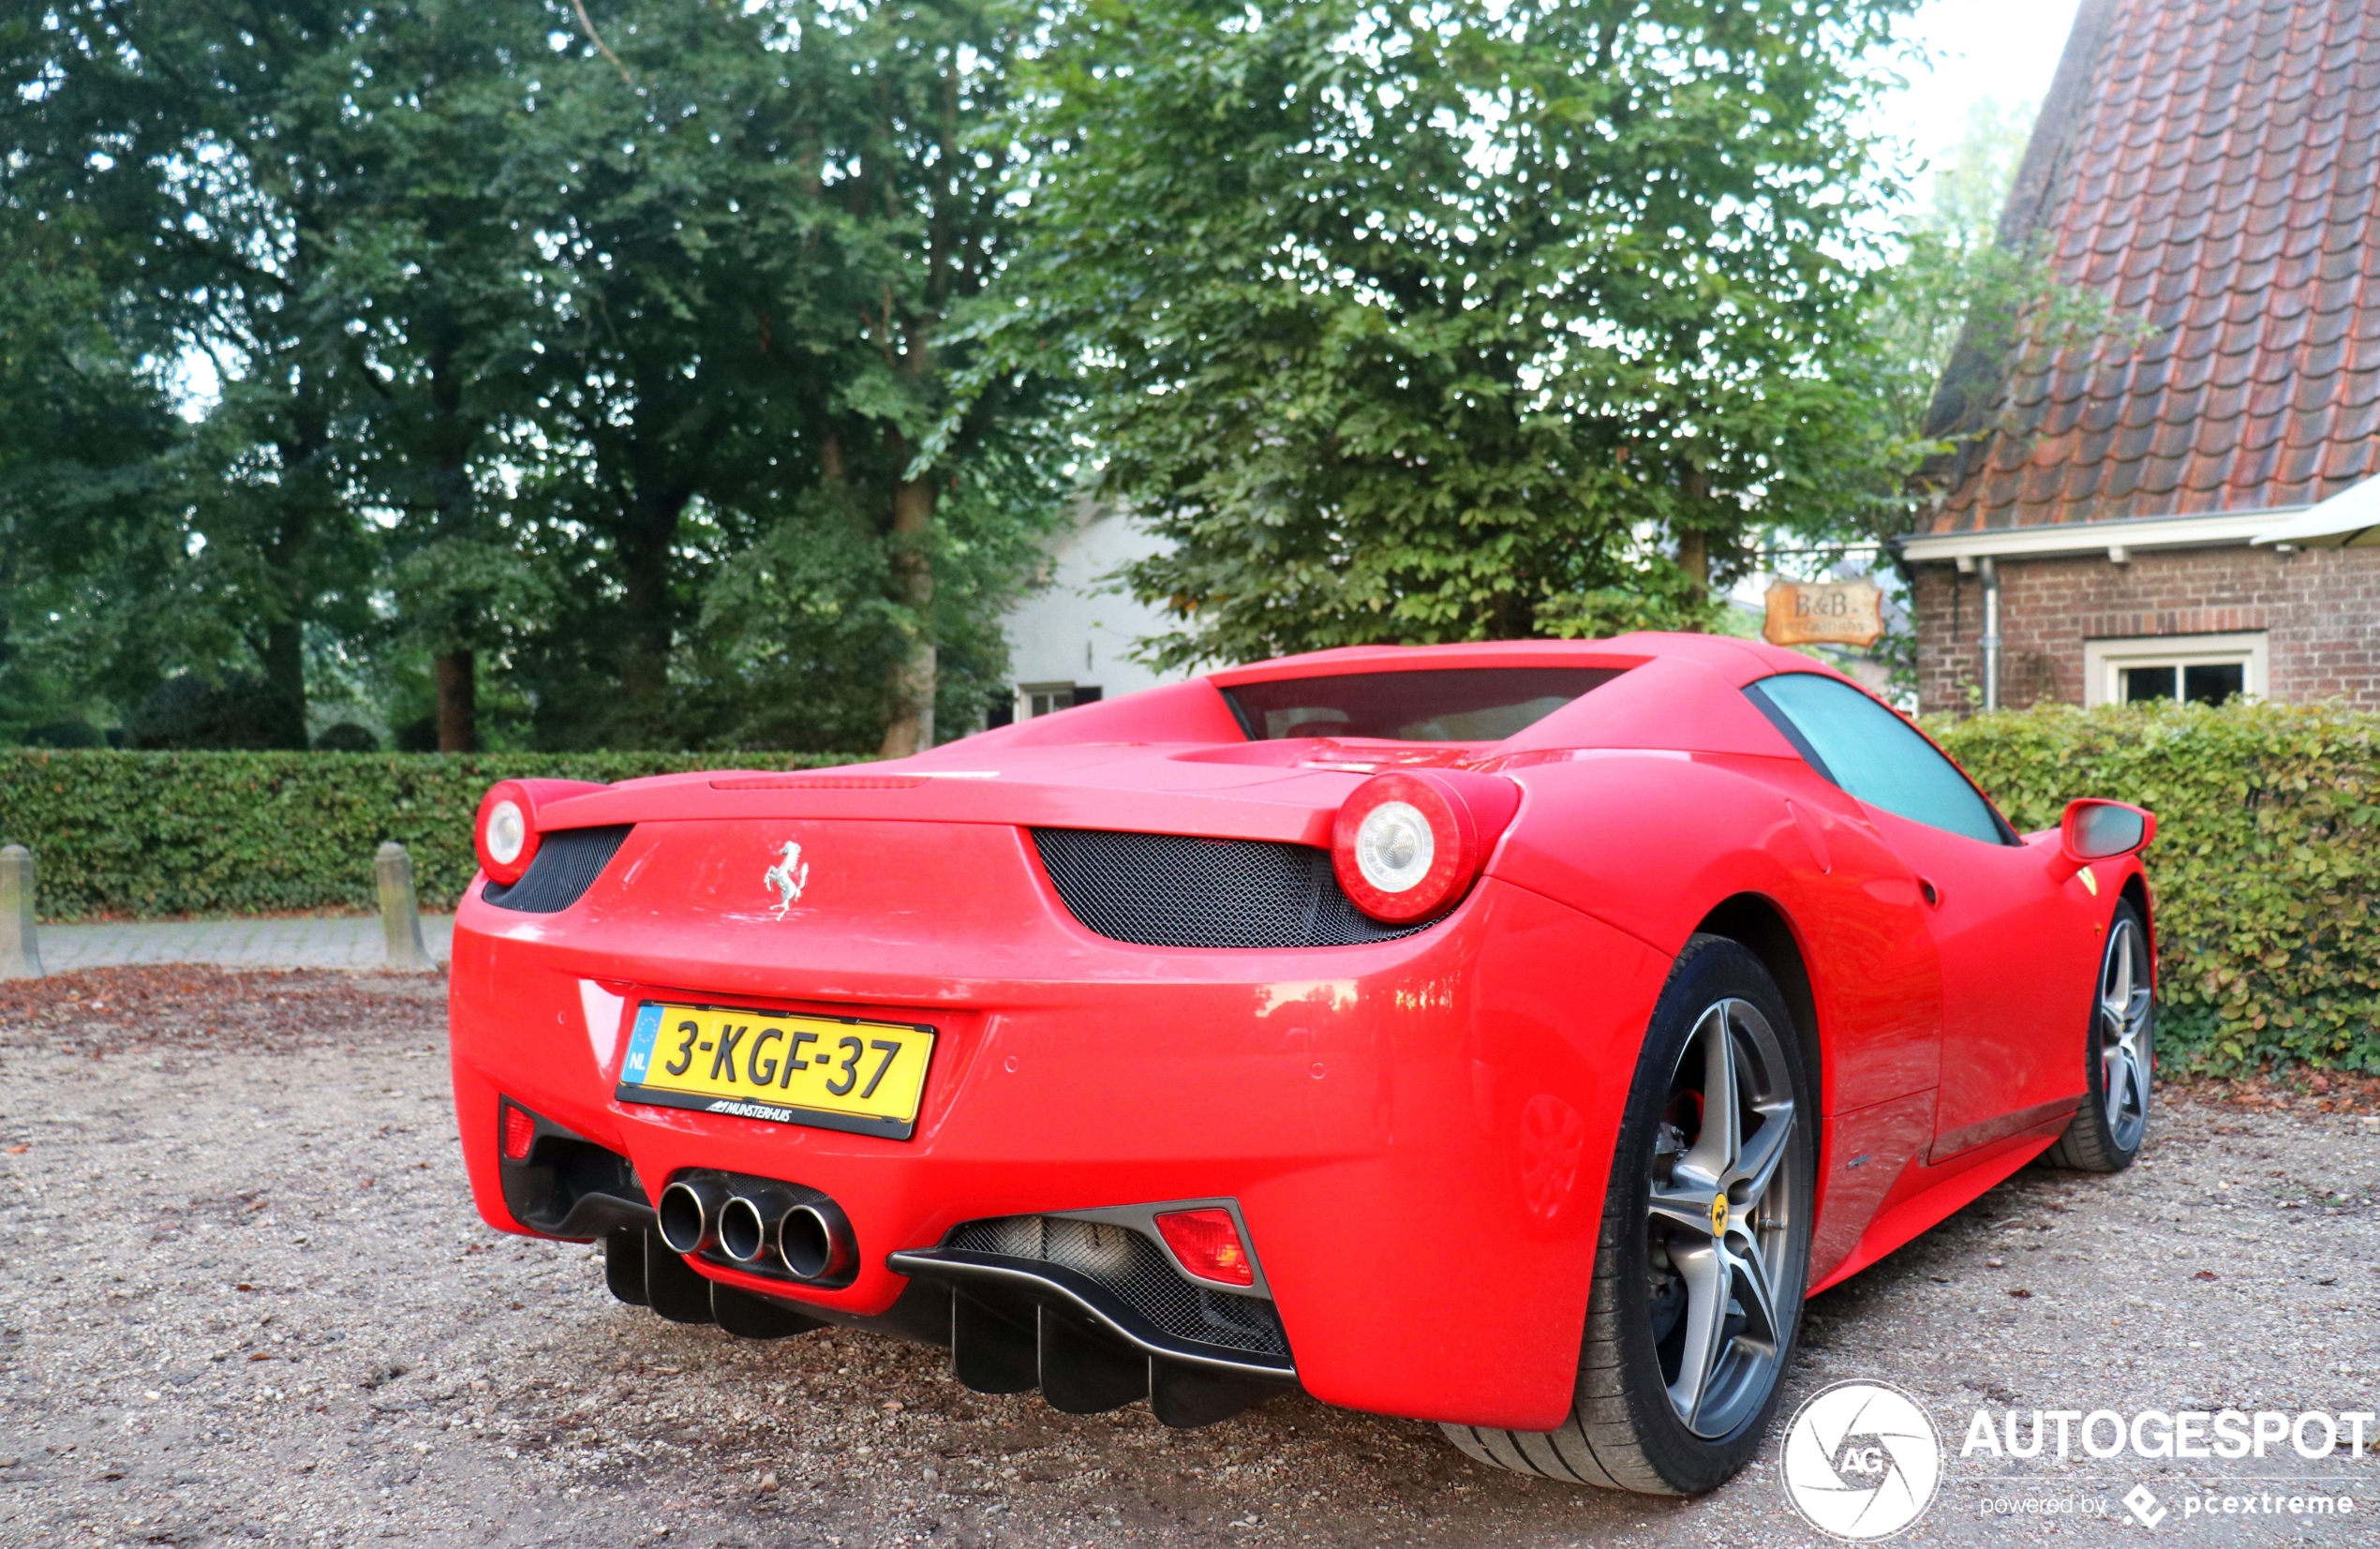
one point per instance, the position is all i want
(400, 913)
(20, 942)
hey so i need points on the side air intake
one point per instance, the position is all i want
(1179, 890)
(567, 864)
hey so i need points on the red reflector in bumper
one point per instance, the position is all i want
(1207, 1241)
(520, 1132)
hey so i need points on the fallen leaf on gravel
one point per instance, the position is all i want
(19, 1151)
(2204, 1275)
(267, 1355)
(2019, 1292)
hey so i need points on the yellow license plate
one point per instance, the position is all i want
(825, 1072)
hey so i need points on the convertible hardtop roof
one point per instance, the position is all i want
(1740, 661)
(1671, 691)
(1176, 758)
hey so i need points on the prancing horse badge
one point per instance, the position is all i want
(789, 877)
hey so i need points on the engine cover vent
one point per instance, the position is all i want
(1180, 890)
(566, 865)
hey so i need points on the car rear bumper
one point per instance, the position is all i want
(1415, 1132)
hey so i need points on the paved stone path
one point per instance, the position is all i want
(345, 941)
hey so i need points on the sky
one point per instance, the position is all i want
(2004, 50)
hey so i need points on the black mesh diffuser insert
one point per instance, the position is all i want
(566, 865)
(1176, 890)
(1138, 1270)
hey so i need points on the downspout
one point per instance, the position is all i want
(1990, 641)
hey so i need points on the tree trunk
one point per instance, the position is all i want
(451, 438)
(911, 728)
(285, 676)
(650, 628)
(1694, 557)
(457, 703)
(1694, 543)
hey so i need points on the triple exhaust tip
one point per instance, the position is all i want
(750, 1225)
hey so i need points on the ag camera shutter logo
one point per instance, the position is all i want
(1862, 1461)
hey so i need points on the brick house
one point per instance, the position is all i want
(2214, 167)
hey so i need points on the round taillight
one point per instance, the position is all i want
(1394, 847)
(1410, 843)
(507, 832)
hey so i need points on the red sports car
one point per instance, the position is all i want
(1507, 1035)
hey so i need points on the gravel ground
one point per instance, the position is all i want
(247, 1301)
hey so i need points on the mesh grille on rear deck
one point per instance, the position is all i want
(1177, 891)
(1137, 1270)
(566, 865)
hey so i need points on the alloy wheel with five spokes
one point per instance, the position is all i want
(2120, 1054)
(1716, 1223)
(2123, 1034)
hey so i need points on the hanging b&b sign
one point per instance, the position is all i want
(1824, 613)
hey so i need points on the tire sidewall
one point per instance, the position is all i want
(2095, 1065)
(1710, 970)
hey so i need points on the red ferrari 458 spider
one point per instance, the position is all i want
(1507, 1035)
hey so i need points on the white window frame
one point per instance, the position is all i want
(2104, 661)
(1025, 693)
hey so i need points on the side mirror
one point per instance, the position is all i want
(2100, 830)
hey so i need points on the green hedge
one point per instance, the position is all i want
(2265, 868)
(230, 833)
(2264, 871)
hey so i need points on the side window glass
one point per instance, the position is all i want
(1873, 753)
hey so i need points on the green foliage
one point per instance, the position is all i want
(529, 322)
(1446, 322)
(227, 833)
(2265, 870)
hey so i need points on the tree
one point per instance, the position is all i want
(85, 448)
(217, 138)
(557, 346)
(437, 265)
(763, 219)
(1469, 321)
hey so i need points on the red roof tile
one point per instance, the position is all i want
(2214, 167)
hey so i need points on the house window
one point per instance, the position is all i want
(1035, 700)
(2202, 669)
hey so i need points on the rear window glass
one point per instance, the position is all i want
(1439, 705)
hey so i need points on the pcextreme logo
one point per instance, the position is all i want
(1862, 1461)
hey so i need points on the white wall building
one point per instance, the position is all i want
(1069, 641)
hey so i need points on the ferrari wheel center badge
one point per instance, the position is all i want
(1719, 1216)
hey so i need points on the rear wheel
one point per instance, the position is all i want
(1704, 1249)
(2113, 1122)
